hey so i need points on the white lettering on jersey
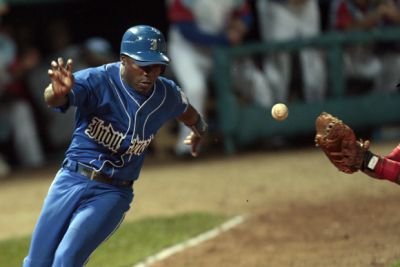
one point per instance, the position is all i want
(138, 146)
(104, 135)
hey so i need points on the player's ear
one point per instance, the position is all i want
(123, 59)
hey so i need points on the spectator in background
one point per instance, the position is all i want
(15, 109)
(57, 128)
(379, 62)
(7, 47)
(18, 106)
(196, 28)
(97, 51)
(4, 51)
(4, 167)
(3, 8)
(287, 20)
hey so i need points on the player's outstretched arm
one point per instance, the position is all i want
(379, 167)
(350, 155)
(62, 81)
(196, 123)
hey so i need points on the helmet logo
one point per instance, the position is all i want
(154, 44)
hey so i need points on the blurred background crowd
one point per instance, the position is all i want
(32, 33)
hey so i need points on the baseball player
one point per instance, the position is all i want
(119, 108)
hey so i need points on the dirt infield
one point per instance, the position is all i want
(337, 234)
(302, 211)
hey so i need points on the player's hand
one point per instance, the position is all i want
(61, 76)
(194, 141)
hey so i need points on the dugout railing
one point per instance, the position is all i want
(243, 124)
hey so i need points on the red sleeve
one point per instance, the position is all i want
(388, 169)
(342, 17)
(177, 12)
(395, 154)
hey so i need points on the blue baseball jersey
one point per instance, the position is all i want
(114, 123)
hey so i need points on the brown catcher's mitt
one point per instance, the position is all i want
(339, 143)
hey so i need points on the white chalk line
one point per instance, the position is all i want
(235, 221)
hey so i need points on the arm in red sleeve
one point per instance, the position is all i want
(395, 154)
(382, 167)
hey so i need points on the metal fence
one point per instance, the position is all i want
(243, 124)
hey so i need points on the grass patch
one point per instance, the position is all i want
(13, 251)
(133, 242)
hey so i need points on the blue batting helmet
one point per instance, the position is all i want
(145, 45)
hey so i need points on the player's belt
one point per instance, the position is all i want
(95, 175)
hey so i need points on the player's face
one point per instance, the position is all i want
(141, 78)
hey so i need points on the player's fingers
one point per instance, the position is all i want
(62, 67)
(60, 74)
(194, 141)
(65, 69)
(195, 146)
(54, 65)
(60, 62)
(58, 88)
(54, 75)
(66, 72)
(194, 153)
(68, 67)
(188, 140)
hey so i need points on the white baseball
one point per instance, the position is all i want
(279, 111)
